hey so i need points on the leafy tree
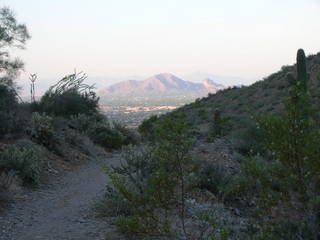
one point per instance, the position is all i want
(12, 35)
(8, 105)
(155, 182)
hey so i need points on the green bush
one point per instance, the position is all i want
(7, 120)
(69, 97)
(113, 204)
(68, 103)
(219, 126)
(155, 180)
(82, 143)
(106, 137)
(215, 219)
(83, 123)
(255, 179)
(42, 130)
(202, 113)
(8, 98)
(101, 131)
(284, 230)
(130, 136)
(26, 158)
(248, 138)
(8, 106)
(212, 177)
(146, 128)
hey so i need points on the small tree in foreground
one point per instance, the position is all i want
(155, 183)
(12, 35)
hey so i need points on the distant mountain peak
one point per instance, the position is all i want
(208, 80)
(165, 74)
(162, 83)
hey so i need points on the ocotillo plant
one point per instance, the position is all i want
(32, 78)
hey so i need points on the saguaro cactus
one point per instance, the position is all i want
(217, 123)
(302, 75)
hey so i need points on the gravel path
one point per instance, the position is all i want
(60, 210)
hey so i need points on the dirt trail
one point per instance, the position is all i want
(60, 210)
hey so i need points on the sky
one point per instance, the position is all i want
(249, 39)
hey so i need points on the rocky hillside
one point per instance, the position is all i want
(266, 95)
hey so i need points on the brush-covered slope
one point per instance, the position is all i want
(266, 95)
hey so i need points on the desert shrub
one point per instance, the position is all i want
(106, 136)
(146, 128)
(103, 132)
(139, 165)
(219, 126)
(42, 130)
(130, 136)
(285, 229)
(82, 143)
(212, 177)
(7, 179)
(7, 123)
(8, 105)
(59, 135)
(248, 138)
(70, 96)
(68, 103)
(202, 113)
(155, 180)
(83, 122)
(26, 158)
(8, 98)
(255, 179)
(214, 221)
(113, 204)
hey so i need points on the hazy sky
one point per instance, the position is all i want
(118, 38)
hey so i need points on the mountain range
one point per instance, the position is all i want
(162, 84)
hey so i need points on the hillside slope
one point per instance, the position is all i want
(266, 95)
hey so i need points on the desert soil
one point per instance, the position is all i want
(61, 209)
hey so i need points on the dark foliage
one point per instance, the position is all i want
(68, 103)
(146, 128)
(12, 34)
(8, 107)
(70, 96)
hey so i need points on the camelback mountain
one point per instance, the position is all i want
(161, 84)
